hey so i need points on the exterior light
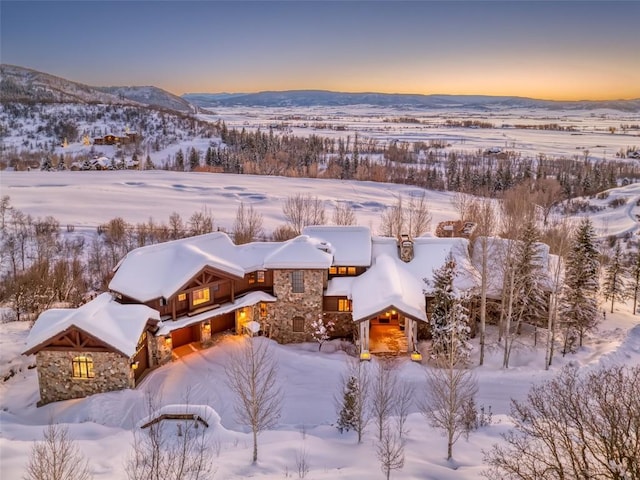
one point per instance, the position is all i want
(167, 341)
(207, 326)
(365, 356)
(393, 312)
(416, 356)
(243, 314)
(135, 365)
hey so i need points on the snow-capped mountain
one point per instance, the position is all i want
(304, 98)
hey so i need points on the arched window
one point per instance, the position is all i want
(83, 366)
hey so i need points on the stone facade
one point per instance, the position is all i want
(160, 350)
(307, 305)
(55, 374)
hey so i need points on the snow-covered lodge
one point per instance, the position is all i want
(169, 299)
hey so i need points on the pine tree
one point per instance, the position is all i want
(449, 320)
(347, 417)
(578, 305)
(530, 297)
(615, 287)
(180, 161)
(194, 159)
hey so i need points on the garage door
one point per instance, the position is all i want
(185, 335)
(223, 322)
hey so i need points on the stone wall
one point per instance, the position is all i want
(55, 375)
(160, 351)
(307, 305)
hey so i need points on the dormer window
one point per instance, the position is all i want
(257, 277)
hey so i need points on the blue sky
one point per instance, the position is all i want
(544, 49)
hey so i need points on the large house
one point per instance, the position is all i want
(171, 298)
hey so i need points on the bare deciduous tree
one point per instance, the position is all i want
(201, 222)
(574, 426)
(413, 218)
(383, 388)
(252, 375)
(390, 452)
(302, 210)
(483, 214)
(547, 194)
(403, 400)
(247, 226)
(462, 202)
(450, 389)
(168, 451)
(56, 457)
(344, 214)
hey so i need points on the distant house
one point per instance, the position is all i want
(168, 299)
(121, 139)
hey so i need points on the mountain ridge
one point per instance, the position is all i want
(311, 97)
(26, 85)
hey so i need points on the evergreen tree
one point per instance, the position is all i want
(530, 297)
(209, 157)
(180, 161)
(578, 304)
(615, 287)
(194, 159)
(449, 320)
(347, 417)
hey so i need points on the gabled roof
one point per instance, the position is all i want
(117, 325)
(300, 252)
(159, 270)
(387, 284)
(351, 244)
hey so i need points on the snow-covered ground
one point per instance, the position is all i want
(87, 199)
(102, 424)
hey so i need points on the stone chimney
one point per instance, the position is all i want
(405, 247)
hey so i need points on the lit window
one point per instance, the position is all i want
(252, 278)
(297, 281)
(83, 367)
(344, 305)
(298, 324)
(351, 270)
(260, 276)
(263, 310)
(342, 270)
(201, 296)
(182, 297)
(333, 270)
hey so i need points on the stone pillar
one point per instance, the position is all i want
(164, 348)
(411, 329)
(205, 333)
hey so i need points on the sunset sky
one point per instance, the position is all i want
(554, 50)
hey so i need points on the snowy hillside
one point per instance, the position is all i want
(152, 96)
(21, 84)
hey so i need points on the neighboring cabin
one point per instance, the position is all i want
(169, 299)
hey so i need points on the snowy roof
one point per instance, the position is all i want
(387, 283)
(339, 287)
(429, 254)
(115, 324)
(160, 270)
(301, 252)
(351, 244)
(247, 300)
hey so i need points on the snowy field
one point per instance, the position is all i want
(588, 131)
(102, 424)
